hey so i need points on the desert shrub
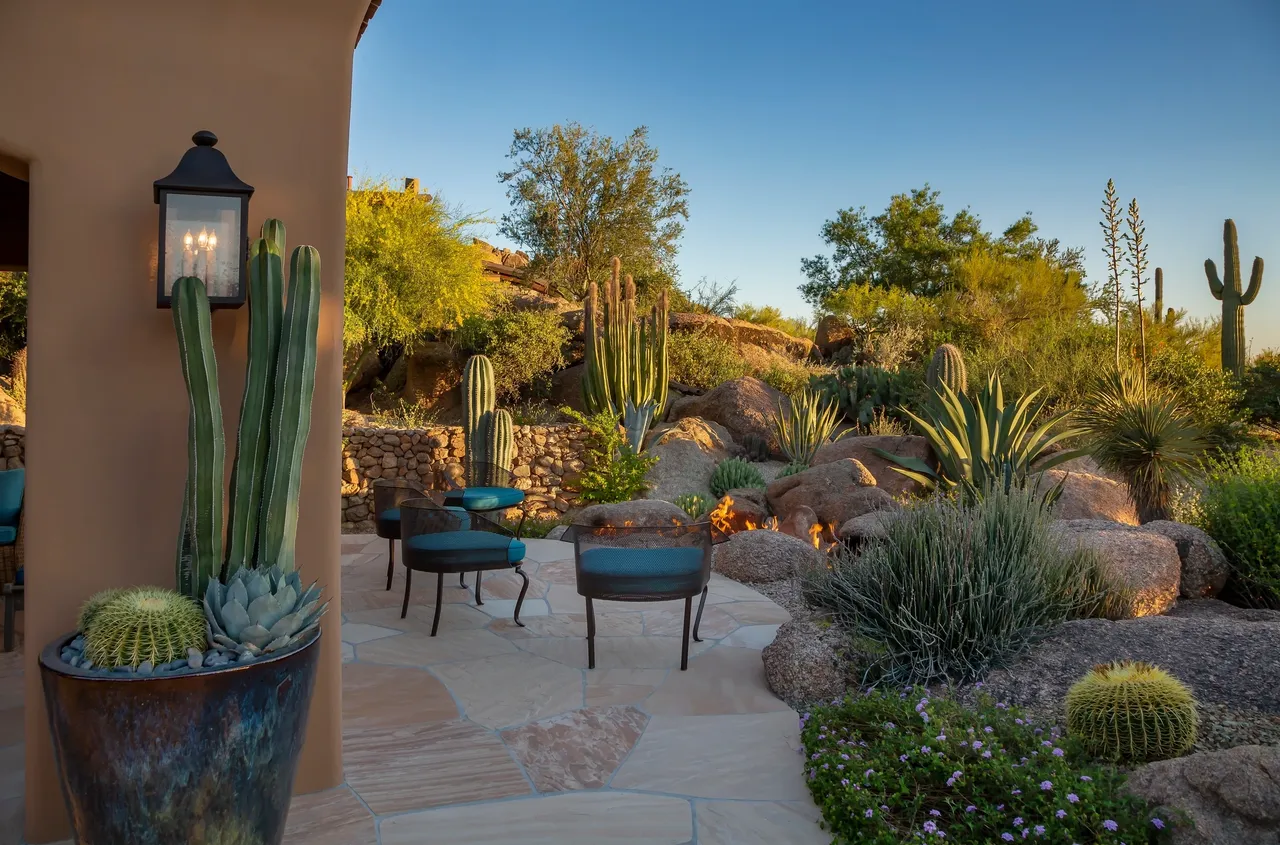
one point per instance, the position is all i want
(15, 384)
(525, 347)
(1145, 436)
(767, 315)
(888, 767)
(1262, 387)
(702, 360)
(883, 424)
(13, 312)
(732, 473)
(958, 587)
(788, 377)
(535, 527)
(614, 471)
(402, 414)
(535, 412)
(1239, 506)
(1209, 395)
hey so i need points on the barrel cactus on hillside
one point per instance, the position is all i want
(1234, 299)
(1132, 712)
(625, 355)
(947, 367)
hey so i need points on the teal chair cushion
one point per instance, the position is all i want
(8, 535)
(485, 498)
(12, 483)
(457, 547)
(21, 579)
(609, 562)
(393, 515)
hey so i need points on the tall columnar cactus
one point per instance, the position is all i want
(499, 444)
(478, 400)
(1157, 307)
(947, 367)
(275, 418)
(626, 356)
(1228, 289)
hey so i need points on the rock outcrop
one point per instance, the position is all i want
(836, 492)
(860, 449)
(1145, 564)
(1088, 496)
(687, 451)
(760, 556)
(744, 406)
(801, 666)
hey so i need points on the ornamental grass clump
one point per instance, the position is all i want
(888, 767)
(958, 586)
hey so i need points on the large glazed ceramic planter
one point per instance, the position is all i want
(206, 758)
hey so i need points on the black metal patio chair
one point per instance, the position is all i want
(642, 564)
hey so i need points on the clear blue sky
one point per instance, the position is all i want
(779, 114)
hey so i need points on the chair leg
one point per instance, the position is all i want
(462, 580)
(435, 620)
(478, 601)
(698, 619)
(591, 635)
(524, 588)
(519, 528)
(9, 601)
(391, 561)
(684, 641)
(408, 581)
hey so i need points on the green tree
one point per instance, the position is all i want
(579, 198)
(411, 267)
(913, 245)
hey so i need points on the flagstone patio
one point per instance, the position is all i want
(491, 733)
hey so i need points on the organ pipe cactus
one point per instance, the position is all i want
(626, 356)
(487, 434)
(275, 418)
(1228, 290)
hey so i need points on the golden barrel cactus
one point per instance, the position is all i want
(1132, 712)
(144, 624)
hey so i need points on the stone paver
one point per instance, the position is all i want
(584, 818)
(498, 734)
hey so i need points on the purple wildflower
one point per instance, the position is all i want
(930, 827)
(1159, 825)
(1058, 752)
(1046, 785)
(1017, 821)
(1110, 825)
(1039, 830)
(934, 813)
(1062, 814)
(844, 782)
(869, 813)
(1085, 778)
(971, 809)
(1072, 797)
(1007, 837)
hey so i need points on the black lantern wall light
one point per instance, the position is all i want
(204, 225)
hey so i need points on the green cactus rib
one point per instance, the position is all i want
(500, 445)
(478, 400)
(1157, 308)
(294, 388)
(266, 293)
(200, 547)
(1228, 290)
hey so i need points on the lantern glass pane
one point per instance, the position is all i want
(201, 238)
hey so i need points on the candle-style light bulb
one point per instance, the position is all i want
(203, 240)
(213, 240)
(188, 240)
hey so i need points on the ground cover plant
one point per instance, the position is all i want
(958, 586)
(614, 471)
(891, 766)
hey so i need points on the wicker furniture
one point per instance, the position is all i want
(479, 487)
(442, 540)
(642, 564)
(12, 588)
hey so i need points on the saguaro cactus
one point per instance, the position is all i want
(1228, 290)
(626, 357)
(275, 417)
(478, 400)
(1157, 308)
(947, 367)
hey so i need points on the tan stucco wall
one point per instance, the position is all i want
(104, 101)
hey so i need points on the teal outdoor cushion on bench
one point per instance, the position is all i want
(459, 547)
(485, 498)
(12, 483)
(644, 570)
(8, 535)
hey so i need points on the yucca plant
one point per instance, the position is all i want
(1143, 435)
(807, 425)
(985, 443)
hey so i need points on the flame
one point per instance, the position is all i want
(726, 522)
(815, 535)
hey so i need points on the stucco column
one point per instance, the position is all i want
(106, 100)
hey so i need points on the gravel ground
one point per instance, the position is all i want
(786, 594)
